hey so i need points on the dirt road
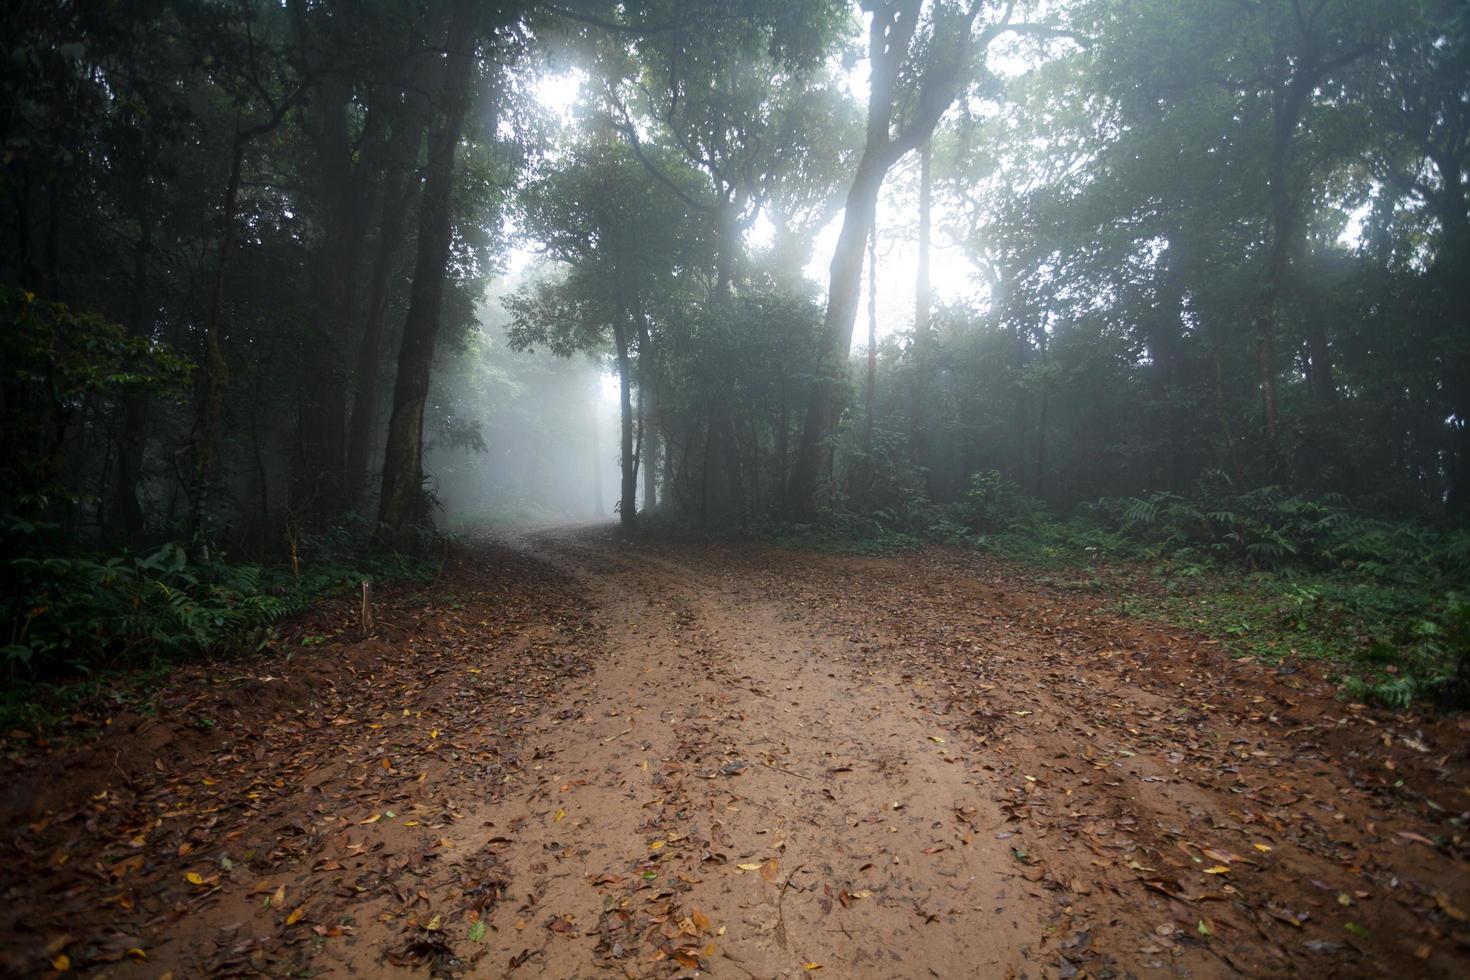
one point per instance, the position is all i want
(575, 756)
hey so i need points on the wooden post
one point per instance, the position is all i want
(367, 608)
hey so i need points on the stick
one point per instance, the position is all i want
(367, 608)
(780, 912)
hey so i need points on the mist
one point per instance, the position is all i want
(523, 437)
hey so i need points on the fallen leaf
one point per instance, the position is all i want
(1448, 908)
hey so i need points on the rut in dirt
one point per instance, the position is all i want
(580, 756)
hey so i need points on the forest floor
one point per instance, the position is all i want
(573, 756)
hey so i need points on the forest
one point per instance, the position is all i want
(1038, 430)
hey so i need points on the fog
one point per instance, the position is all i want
(524, 437)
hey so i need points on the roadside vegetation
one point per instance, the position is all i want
(93, 631)
(1383, 600)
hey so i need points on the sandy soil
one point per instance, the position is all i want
(576, 756)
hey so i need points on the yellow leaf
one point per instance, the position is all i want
(861, 893)
(748, 867)
(656, 845)
(560, 815)
(1263, 848)
(433, 925)
(61, 963)
(811, 966)
(295, 915)
(373, 819)
(434, 733)
(137, 954)
(279, 898)
(194, 878)
(1218, 869)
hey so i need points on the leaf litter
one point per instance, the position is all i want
(577, 755)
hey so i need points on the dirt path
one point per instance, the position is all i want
(576, 757)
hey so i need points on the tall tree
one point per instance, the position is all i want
(403, 504)
(914, 76)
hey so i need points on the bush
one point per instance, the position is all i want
(993, 503)
(80, 611)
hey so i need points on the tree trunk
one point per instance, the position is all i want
(217, 369)
(814, 453)
(872, 384)
(319, 487)
(918, 434)
(647, 406)
(402, 502)
(126, 511)
(396, 196)
(890, 31)
(628, 497)
(597, 508)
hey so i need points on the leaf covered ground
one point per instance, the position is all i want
(572, 755)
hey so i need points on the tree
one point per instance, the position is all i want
(402, 504)
(622, 240)
(914, 76)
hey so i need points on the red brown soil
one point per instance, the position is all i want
(578, 756)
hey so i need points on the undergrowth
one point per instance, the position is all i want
(1274, 574)
(87, 625)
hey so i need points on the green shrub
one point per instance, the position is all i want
(993, 503)
(80, 611)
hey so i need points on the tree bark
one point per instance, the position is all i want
(872, 385)
(127, 512)
(918, 434)
(319, 485)
(597, 508)
(396, 196)
(217, 369)
(402, 503)
(628, 496)
(647, 407)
